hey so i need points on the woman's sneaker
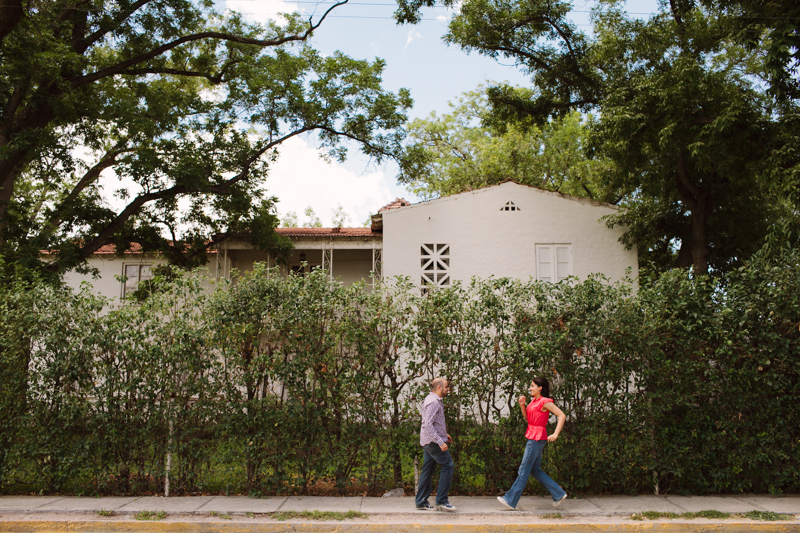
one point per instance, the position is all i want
(561, 499)
(504, 503)
(426, 507)
(446, 507)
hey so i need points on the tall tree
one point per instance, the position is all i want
(681, 108)
(467, 149)
(185, 106)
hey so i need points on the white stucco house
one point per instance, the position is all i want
(506, 230)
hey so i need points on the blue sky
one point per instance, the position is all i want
(417, 59)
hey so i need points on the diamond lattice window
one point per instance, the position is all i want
(435, 264)
(510, 206)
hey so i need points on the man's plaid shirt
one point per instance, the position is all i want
(433, 426)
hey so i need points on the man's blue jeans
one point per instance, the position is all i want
(531, 463)
(434, 455)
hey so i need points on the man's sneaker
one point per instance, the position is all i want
(448, 507)
(561, 499)
(426, 507)
(504, 503)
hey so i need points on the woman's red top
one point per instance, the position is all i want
(537, 419)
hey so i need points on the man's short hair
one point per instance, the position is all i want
(438, 382)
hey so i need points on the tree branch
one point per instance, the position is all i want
(515, 51)
(104, 237)
(120, 67)
(176, 72)
(105, 28)
(695, 194)
(11, 13)
(89, 177)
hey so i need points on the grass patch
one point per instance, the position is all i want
(552, 516)
(224, 516)
(150, 515)
(250, 514)
(318, 515)
(767, 515)
(752, 515)
(653, 515)
(707, 514)
(106, 512)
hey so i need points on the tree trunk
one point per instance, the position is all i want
(696, 200)
(11, 13)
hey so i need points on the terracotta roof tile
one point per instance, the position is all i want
(326, 232)
(398, 202)
(110, 249)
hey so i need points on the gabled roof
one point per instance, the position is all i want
(505, 184)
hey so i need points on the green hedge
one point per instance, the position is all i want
(272, 384)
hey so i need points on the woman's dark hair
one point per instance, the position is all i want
(544, 384)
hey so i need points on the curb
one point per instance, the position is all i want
(96, 526)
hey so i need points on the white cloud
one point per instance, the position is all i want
(412, 36)
(300, 179)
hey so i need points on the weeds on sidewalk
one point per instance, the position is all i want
(106, 512)
(767, 515)
(753, 515)
(250, 514)
(318, 515)
(552, 516)
(150, 515)
(224, 516)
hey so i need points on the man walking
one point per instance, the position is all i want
(434, 440)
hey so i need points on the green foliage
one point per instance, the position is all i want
(699, 148)
(707, 514)
(767, 516)
(462, 150)
(319, 515)
(275, 384)
(312, 220)
(150, 515)
(713, 515)
(186, 105)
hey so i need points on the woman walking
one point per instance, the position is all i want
(537, 413)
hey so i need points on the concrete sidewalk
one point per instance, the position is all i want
(474, 505)
(240, 514)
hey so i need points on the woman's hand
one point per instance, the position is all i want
(552, 438)
(522, 401)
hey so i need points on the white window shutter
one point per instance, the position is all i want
(544, 258)
(563, 262)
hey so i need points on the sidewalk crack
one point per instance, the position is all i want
(49, 502)
(205, 503)
(758, 507)
(682, 508)
(285, 499)
(592, 502)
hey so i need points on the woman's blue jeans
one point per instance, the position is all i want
(531, 466)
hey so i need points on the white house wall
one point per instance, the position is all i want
(487, 241)
(110, 268)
